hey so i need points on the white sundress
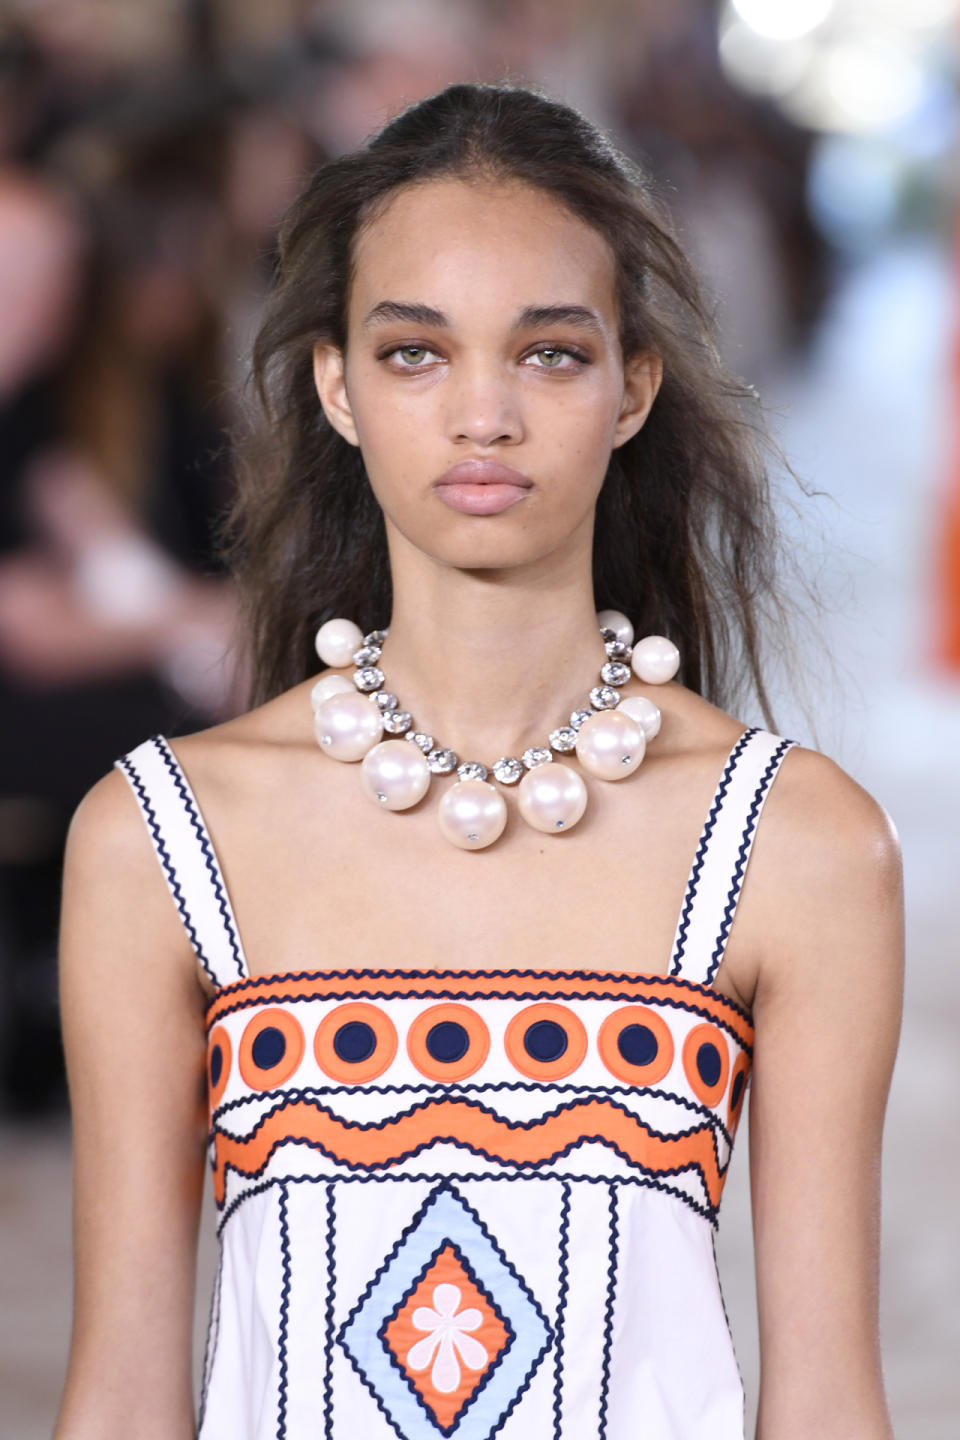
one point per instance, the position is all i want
(469, 1203)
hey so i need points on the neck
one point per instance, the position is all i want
(489, 668)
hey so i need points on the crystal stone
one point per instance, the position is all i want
(369, 678)
(578, 717)
(617, 650)
(564, 739)
(367, 655)
(536, 755)
(397, 722)
(375, 637)
(607, 633)
(385, 700)
(508, 770)
(441, 762)
(472, 770)
(604, 697)
(419, 737)
(613, 673)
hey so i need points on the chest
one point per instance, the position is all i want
(319, 877)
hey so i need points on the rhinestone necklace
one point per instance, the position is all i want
(609, 738)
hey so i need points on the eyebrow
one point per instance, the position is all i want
(530, 318)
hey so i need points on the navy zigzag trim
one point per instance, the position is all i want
(644, 1182)
(328, 1323)
(440, 994)
(608, 1317)
(284, 1317)
(561, 1305)
(693, 882)
(440, 1087)
(736, 882)
(210, 859)
(577, 978)
(210, 1344)
(132, 774)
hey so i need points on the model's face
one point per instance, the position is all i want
(482, 326)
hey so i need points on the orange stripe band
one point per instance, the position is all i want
(471, 984)
(476, 1129)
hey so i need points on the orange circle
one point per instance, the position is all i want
(609, 1039)
(258, 1074)
(355, 1071)
(545, 1013)
(700, 1037)
(741, 1067)
(458, 1067)
(219, 1039)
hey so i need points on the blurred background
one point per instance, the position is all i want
(809, 152)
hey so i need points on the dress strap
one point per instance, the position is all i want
(187, 857)
(720, 862)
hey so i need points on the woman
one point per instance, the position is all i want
(468, 1148)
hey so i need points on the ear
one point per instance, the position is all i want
(641, 381)
(330, 380)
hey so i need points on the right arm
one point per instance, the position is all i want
(132, 1012)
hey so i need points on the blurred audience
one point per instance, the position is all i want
(146, 153)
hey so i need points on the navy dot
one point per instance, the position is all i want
(737, 1090)
(708, 1063)
(448, 1042)
(216, 1064)
(269, 1048)
(637, 1044)
(545, 1040)
(355, 1041)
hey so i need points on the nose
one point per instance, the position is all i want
(483, 407)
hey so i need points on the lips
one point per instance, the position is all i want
(483, 472)
(482, 487)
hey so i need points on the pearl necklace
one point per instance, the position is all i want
(609, 739)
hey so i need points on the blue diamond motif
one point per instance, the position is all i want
(445, 1218)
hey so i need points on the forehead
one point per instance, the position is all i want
(464, 245)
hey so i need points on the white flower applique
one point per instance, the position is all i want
(447, 1343)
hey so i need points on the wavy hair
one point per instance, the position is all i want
(686, 540)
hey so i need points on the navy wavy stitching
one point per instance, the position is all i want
(284, 1317)
(723, 1306)
(746, 841)
(439, 1087)
(208, 1352)
(488, 1373)
(149, 813)
(440, 994)
(701, 855)
(643, 1182)
(508, 1265)
(251, 983)
(328, 1323)
(210, 859)
(537, 1168)
(608, 1317)
(561, 1303)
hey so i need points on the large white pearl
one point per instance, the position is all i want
(655, 659)
(552, 797)
(396, 774)
(472, 814)
(644, 710)
(618, 622)
(336, 641)
(610, 745)
(347, 725)
(329, 685)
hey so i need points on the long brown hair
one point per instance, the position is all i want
(686, 541)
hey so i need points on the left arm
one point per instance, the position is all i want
(827, 1015)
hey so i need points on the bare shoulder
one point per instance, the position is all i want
(827, 882)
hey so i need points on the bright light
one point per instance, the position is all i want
(761, 65)
(872, 84)
(783, 19)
